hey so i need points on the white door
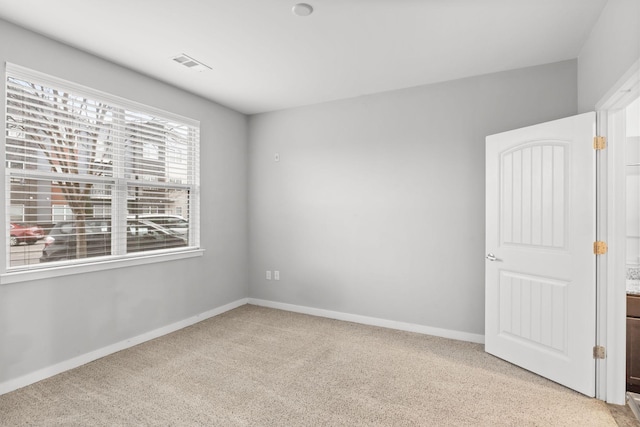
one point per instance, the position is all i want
(540, 268)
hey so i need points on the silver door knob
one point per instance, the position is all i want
(491, 257)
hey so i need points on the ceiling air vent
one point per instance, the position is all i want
(191, 63)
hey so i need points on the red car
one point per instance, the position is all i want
(25, 233)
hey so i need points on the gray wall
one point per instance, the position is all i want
(48, 321)
(376, 207)
(611, 49)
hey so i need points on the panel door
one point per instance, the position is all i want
(540, 269)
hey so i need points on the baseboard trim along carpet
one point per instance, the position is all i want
(372, 321)
(66, 365)
(75, 362)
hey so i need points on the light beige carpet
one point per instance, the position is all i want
(256, 366)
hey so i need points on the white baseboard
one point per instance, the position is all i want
(373, 321)
(66, 365)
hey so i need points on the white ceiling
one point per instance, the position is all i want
(264, 58)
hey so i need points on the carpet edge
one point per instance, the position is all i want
(57, 368)
(371, 321)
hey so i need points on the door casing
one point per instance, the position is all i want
(611, 204)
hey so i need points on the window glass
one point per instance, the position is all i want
(77, 159)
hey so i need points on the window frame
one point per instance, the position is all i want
(10, 274)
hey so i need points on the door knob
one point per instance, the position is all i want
(491, 257)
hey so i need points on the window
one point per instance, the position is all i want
(87, 167)
(16, 213)
(61, 213)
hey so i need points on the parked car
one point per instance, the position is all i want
(60, 243)
(175, 223)
(21, 233)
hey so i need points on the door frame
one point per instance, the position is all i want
(611, 223)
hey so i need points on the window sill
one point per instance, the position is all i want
(108, 264)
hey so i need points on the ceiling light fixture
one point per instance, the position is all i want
(191, 63)
(302, 9)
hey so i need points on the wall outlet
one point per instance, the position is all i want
(268, 275)
(276, 157)
(276, 275)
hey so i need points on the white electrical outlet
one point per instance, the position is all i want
(276, 157)
(268, 275)
(276, 275)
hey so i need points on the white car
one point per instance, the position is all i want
(175, 223)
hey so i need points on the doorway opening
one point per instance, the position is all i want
(631, 142)
(619, 226)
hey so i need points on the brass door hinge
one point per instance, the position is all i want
(599, 142)
(599, 248)
(599, 352)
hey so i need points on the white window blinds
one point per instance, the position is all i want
(102, 176)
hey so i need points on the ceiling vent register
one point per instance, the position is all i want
(190, 63)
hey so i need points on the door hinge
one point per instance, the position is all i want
(599, 142)
(599, 248)
(599, 352)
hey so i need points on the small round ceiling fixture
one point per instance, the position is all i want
(302, 9)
